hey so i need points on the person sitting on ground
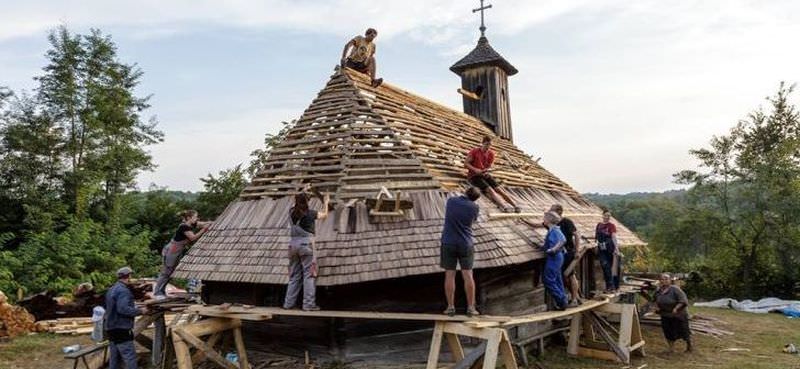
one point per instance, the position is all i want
(457, 247)
(173, 251)
(479, 162)
(554, 248)
(671, 303)
(120, 314)
(572, 246)
(607, 251)
(302, 261)
(362, 55)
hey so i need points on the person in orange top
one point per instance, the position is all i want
(479, 163)
(362, 55)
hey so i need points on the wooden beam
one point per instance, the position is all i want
(574, 334)
(492, 348)
(209, 326)
(436, 346)
(276, 311)
(507, 352)
(455, 346)
(210, 342)
(240, 349)
(200, 345)
(468, 94)
(550, 315)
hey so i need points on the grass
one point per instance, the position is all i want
(38, 351)
(764, 335)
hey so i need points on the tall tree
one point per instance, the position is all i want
(748, 197)
(90, 93)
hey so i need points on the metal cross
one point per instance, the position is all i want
(481, 9)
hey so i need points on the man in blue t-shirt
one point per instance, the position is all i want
(460, 212)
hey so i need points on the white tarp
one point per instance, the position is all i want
(764, 305)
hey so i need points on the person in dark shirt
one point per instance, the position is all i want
(607, 251)
(457, 247)
(120, 314)
(572, 248)
(479, 162)
(671, 304)
(173, 251)
(302, 262)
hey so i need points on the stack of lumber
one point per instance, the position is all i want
(74, 326)
(699, 324)
(14, 320)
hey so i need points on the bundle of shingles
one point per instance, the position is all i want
(14, 320)
(699, 324)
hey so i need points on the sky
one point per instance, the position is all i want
(611, 94)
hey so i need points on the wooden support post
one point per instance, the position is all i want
(240, 349)
(497, 346)
(436, 345)
(200, 345)
(506, 351)
(574, 334)
(210, 342)
(159, 332)
(181, 352)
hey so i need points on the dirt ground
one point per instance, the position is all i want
(759, 339)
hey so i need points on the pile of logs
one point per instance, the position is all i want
(697, 323)
(14, 320)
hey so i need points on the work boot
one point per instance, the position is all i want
(688, 345)
(450, 311)
(472, 311)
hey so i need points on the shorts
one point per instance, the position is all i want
(359, 66)
(483, 181)
(452, 255)
(569, 256)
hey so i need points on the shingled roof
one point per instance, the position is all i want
(483, 54)
(353, 140)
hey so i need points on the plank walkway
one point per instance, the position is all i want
(482, 321)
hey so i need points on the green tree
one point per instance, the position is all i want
(89, 92)
(745, 201)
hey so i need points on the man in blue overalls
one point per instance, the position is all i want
(554, 248)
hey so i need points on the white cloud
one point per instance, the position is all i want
(612, 94)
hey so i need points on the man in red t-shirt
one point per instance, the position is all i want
(479, 163)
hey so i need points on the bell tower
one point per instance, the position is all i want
(484, 83)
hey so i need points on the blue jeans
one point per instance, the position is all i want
(553, 280)
(122, 352)
(606, 258)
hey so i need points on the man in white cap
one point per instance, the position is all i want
(120, 314)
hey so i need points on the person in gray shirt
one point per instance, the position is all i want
(671, 303)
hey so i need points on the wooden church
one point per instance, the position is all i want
(389, 159)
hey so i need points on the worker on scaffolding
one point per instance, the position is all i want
(457, 247)
(572, 248)
(479, 162)
(173, 251)
(554, 248)
(302, 260)
(608, 252)
(361, 55)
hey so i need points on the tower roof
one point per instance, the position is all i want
(483, 55)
